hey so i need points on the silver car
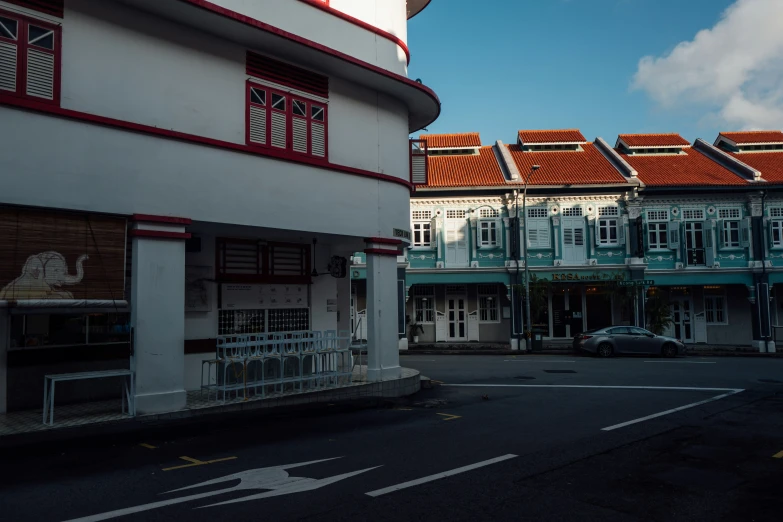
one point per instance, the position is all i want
(612, 340)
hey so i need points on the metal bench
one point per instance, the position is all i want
(128, 389)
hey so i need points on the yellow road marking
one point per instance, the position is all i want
(438, 382)
(196, 462)
(778, 455)
(402, 409)
(148, 446)
(450, 417)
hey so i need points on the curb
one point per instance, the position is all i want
(576, 354)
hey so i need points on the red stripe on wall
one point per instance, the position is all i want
(159, 234)
(318, 4)
(148, 218)
(191, 138)
(382, 252)
(383, 241)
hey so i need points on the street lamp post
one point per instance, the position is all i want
(533, 168)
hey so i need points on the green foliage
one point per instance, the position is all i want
(659, 315)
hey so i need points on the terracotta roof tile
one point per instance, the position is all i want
(467, 139)
(465, 171)
(770, 164)
(671, 139)
(533, 137)
(691, 168)
(754, 137)
(586, 167)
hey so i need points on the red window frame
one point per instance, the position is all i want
(290, 98)
(22, 47)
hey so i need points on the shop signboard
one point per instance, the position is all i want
(47, 255)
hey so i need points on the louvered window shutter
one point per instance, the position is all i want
(620, 231)
(318, 131)
(745, 232)
(258, 116)
(299, 126)
(9, 53)
(279, 121)
(40, 62)
(674, 235)
(418, 162)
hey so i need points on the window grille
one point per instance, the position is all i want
(572, 211)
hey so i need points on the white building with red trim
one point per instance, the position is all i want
(186, 160)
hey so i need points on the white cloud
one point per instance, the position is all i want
(735, 67)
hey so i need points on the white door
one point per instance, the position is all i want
(456, 242)
(574, 241)
(682, 318)
(457, 318)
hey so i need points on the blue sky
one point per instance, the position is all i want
(503, 65)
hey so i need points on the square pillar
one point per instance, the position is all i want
(158, 312)
(382, 309)
(5, 326)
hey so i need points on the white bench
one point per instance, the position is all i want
(128, 389)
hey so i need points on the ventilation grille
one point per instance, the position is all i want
(300, 135)
(608, 211)
(572, 211)
(421, 214)
(278, 130)
(729, 213)
(7, 67)
(52, 7)
(257, 125)
(318, 136)
(536, 213)
(455, 214)
(40, 74)
(287, 74)
(657, 215)
(489, 213)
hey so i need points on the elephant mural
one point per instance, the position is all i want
(42, 276)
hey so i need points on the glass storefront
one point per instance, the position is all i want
(50, 330)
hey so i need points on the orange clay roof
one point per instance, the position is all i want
(454, 141)
(671, 139)
(754, 137)
(531, 137)
(770, 164)
(678, 170)
(465, 171)
(586, 167)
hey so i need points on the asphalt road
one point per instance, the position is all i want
(497, 438)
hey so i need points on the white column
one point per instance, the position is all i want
(158, 313)
(5, 326)
(382, 337)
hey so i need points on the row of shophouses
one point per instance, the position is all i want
(698, 226)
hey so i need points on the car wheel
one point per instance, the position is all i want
(669, 350)
(605, 350)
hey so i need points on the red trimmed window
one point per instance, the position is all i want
(286, 121)
(29, 58)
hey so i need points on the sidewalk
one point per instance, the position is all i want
(101, 419)
(565, 348)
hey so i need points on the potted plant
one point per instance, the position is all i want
(414, 329)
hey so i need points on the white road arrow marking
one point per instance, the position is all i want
(275, 478)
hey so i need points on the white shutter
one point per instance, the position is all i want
(257, 125)
(40, 74)
(620, 232)
(299, 127)
(318, 138)
(278, 129)
(8, 62)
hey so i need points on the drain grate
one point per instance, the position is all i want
(559, 371)
(770, 381)
(524, 378)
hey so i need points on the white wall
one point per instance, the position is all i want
(90, 167)
(314, 24)
(382, 144)
(125, 64)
